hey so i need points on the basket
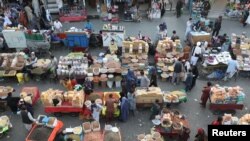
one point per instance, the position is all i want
(95, 129)
(86, 126)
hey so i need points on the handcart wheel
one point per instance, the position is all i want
(58, 114)
(74, 114)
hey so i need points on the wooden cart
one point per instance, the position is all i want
(221, 108)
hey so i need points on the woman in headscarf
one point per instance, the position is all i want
(195, 75)
(132, 101)
(124, 109)
(201, 135)
(130, 79)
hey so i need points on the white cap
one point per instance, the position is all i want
(198, 43)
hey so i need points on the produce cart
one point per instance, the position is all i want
(221, 108)
(226, 99)
(43, 133)
(174, 98)
(34, 91)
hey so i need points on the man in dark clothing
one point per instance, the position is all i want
(217, 26)
(195, 75)
(179, 6)
(27, 118)
(174, 36)
(153, 79)
(245, 16)
(155, 110)
(205, 94)
(162, 10)
(178, 67)
(188, 82)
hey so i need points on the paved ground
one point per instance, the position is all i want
(197, 116)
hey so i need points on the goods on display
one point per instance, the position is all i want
(95, 126)
(227, 95)
(235, 8)
(195, 37)
(155, 10)
(113, 32)
(75, 14)
(111, 133)
(245, 120)
(149, 95)
(86, 127)
(76, 61)
(241, 48)
(4, 124)
(135, 54)
(5, 90)
(75, 98)
(105, 68)
(228, 119)
(170, 122)
(174, 97)
(12, 61)
(217, 58)
(154, 136)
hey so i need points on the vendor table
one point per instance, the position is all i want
(117, 35)
(77, 39)
(34, 91)
(5, 90)
(52, 132)
(195, 37)
(172, 133)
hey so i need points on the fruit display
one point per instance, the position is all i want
(227, 95)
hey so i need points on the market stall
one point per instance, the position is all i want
(135, 54)
(41, 66)
(74, 65)
(214, 64)
(106, 71)
(166, 53)
(110, 13)
(155, 10)
(19, 39)
(30, 94)
(45, 129)
(241, 49)
(171, 124)
(57, 102)
(75, 14)
(234, 9)
(226, 98)
(195, 37)
(11, 63)
(77, 38)
(113, 32)
(147, 96)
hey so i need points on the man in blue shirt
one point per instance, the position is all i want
(88, 26)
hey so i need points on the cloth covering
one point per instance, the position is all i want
(124, 109)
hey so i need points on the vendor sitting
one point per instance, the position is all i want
(32, 59)
(113, 48)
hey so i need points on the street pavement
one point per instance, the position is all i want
(196, 115)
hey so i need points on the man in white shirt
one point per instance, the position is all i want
(196, 54)
(7, 21)
(57, 25)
